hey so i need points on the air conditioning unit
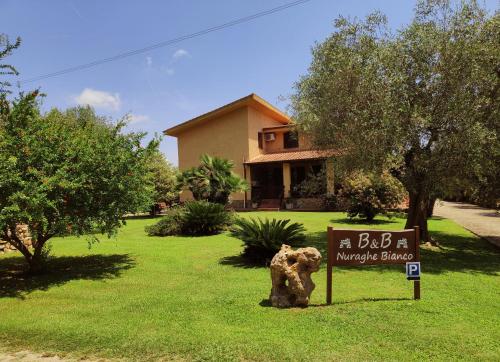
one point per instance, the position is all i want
(269, 137)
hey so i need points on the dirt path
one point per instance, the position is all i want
(27, 356)
(482, 222)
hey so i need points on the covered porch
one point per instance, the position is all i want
(273, 178)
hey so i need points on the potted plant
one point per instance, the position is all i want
(289, 203)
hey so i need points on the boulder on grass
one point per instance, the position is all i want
(291, 276)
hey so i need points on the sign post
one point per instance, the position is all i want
(372, 247)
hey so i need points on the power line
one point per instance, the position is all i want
(166, 43)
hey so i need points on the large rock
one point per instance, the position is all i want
(291, 276)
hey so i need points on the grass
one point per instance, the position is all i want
(191, 298)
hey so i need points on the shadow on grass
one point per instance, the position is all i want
(144, 217)
(468, 254)
(14, 282)
(356, 221)
(266, 303)
(240, 261)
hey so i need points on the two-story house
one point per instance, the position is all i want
(262, 143)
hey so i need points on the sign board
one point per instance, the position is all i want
(372, 247)
(413, 270)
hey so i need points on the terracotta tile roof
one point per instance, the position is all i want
(292, 156)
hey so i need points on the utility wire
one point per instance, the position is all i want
(166, 43)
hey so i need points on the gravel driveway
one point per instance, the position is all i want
(481, 221)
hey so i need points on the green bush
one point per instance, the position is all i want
(168, 225)
(369, 195)
(194, 218)
(313, 186)
(263, 239)
(204, 218)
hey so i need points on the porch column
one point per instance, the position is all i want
(248, 178)
(330, 180)
(287, 179)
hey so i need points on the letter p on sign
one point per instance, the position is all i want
(413, 271)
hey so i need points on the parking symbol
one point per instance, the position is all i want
(413, 271)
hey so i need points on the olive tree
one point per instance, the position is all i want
(423, 101)
(69, 172)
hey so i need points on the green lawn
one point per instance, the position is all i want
(144, 297)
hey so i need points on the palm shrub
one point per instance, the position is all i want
(213, 180)
(263, 238)
(204, 218)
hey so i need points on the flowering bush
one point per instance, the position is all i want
(369, 195)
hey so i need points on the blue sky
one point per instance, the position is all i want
(170, 85)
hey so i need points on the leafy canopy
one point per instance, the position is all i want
(67, 172)
(165, 178)
(6, 48)
(423, 101)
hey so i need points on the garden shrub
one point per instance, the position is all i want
(170, 224)
(204, 218)
(194, 218)
(313, 186)
(369, 195)
(263, 239)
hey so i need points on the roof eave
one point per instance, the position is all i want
(251, 100)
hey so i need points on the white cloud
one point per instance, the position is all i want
(180, 53)
(170, 71)
(99, 99)
(149, 61)
(137, 118)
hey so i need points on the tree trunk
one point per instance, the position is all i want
(35, 265)
(417, 214)
(430, 206)
(36, 262)
(34, 257)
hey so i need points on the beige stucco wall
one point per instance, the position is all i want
(256, 121)
(225, 137)
(233, 136)
(278, 144)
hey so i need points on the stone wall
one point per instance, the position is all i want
(22, 233)
(306, 204)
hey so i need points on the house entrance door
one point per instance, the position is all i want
(267, 181)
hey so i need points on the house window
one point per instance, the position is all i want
(290, 140)
(259, 138)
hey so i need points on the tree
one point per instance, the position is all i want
(6, 48)
(67, 172)
(423, 102)
(164, 178)
(213, 180)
